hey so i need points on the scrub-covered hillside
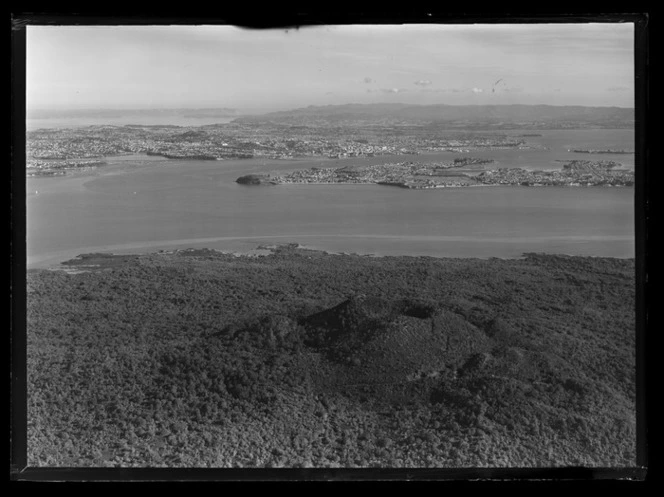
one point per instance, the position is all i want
(304, 359)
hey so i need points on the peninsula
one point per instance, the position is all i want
(60, 167)
(459, 173)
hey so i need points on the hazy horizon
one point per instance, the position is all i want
(182, 108)
(257, 71)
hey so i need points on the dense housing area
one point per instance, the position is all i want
(62, 148)
(460, 172)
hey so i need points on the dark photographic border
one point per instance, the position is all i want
(19, 470)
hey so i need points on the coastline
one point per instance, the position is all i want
(442, 187)
(252, 246)
(329, 242)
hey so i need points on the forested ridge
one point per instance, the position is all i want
(305, 359)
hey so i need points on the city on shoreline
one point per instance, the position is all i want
(52, 152)
(59, 151)
(459, 173)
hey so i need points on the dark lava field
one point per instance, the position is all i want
(298, 358)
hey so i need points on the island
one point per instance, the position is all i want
(417, 175)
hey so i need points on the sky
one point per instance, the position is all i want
(265, 70)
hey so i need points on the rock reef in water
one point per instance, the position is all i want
(255, 179)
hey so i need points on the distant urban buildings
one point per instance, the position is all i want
(418, 175)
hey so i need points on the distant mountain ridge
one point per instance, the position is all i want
(449, 113)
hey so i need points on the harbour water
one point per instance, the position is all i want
(143, 204)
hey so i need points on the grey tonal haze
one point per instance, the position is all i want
(225, 66)
(398, 246)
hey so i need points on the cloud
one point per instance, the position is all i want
(387, 90)
(617, 88)
(514, 89)
(422, 82)
(501, 86)
(368, 80)
(439, 90)
(444, 90)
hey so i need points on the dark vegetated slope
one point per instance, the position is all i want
(305, 359)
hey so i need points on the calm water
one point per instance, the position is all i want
(146, 203)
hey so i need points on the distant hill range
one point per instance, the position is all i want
(517, 115)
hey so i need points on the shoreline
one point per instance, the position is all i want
(55, 261)
(441, 187)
